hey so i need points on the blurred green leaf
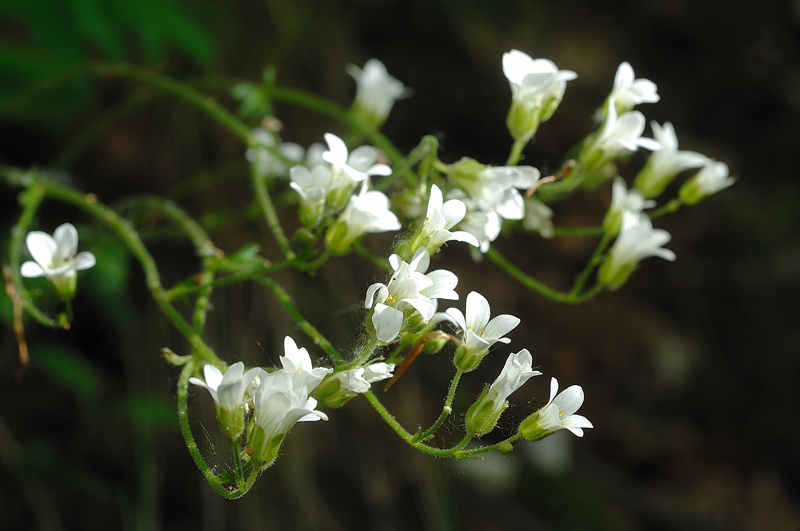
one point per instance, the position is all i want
(68, 369)
(149, 411)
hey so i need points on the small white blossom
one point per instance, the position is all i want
(623, 200)
(537, 88)
(297, 362)
(711, 178)
(538, 217)
(359, 380)
(637, 240)
(279, 404)
(263, 157)
(557, 414)
(665, 163)
(485, 226)
(366, 212)
(56, 259)
(357, 165)
(408, 288)
(619, 135)
(376, 91)
(439, 219)
(478, 332)
(629, 92)
(312, 185)
(228, 392)
(483, 415)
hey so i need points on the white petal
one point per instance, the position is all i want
(84, 260)
(42, 247)
(387, 322)
(31, 270)
(66, 237)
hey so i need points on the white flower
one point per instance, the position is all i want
(485, 226)
(358, 165)
(537, 87)
(629, 92)
(712, 178)
(665, 163)
(439, 219)
(281, 401)
(297, 362)
(376, 91)
(358, 380)
(557, 414)
(314, 185)
(408, 288)
(637, 240)
(478, 332)
(620, 134)
(482, 416)
(623, 200)
(366, 212)
(267, 163)
(538, 217)
(228, 392)
(55, 258)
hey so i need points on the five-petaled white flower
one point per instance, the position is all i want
(56, 259)
(376, 91)
(619, 135)
(665, 163)
(439, 219)
(263, 157)
(623, 200)
(711, 178)
(557, 414)
(358, 165)
(478, 332)
(538, 217)
(367, 211)
(537, 87)
(637, 240)
(408, 288)
(281, 400)
(482, 416)
(629, 92)
(228, 391)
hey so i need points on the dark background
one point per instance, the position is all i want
(689, 370)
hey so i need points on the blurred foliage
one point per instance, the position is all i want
(41, 39)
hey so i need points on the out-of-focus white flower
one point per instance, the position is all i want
(629, 92)
(623, 200)
(538, 217)
(485, 226)
(56, 259)
(557, 414)
(620, 134)
(263, 157)
(711, 178)
(637, 240)
(665, 163)
(228, 392)
(537, 88)
(376, 91)
(482, 416)
(478, 333)
(366, 212)
(494, 188)
(409, 288)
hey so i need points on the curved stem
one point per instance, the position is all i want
(269, 213)
(446, 410)
(301, 321)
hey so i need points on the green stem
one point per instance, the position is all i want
(472, 453)
(669, 208)
(269, 213)
(446, 410)
(594, 261)
(201, 101)
(188, 438)
(516, 151)
(301, 321)
(537, 286)
(31, 199)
